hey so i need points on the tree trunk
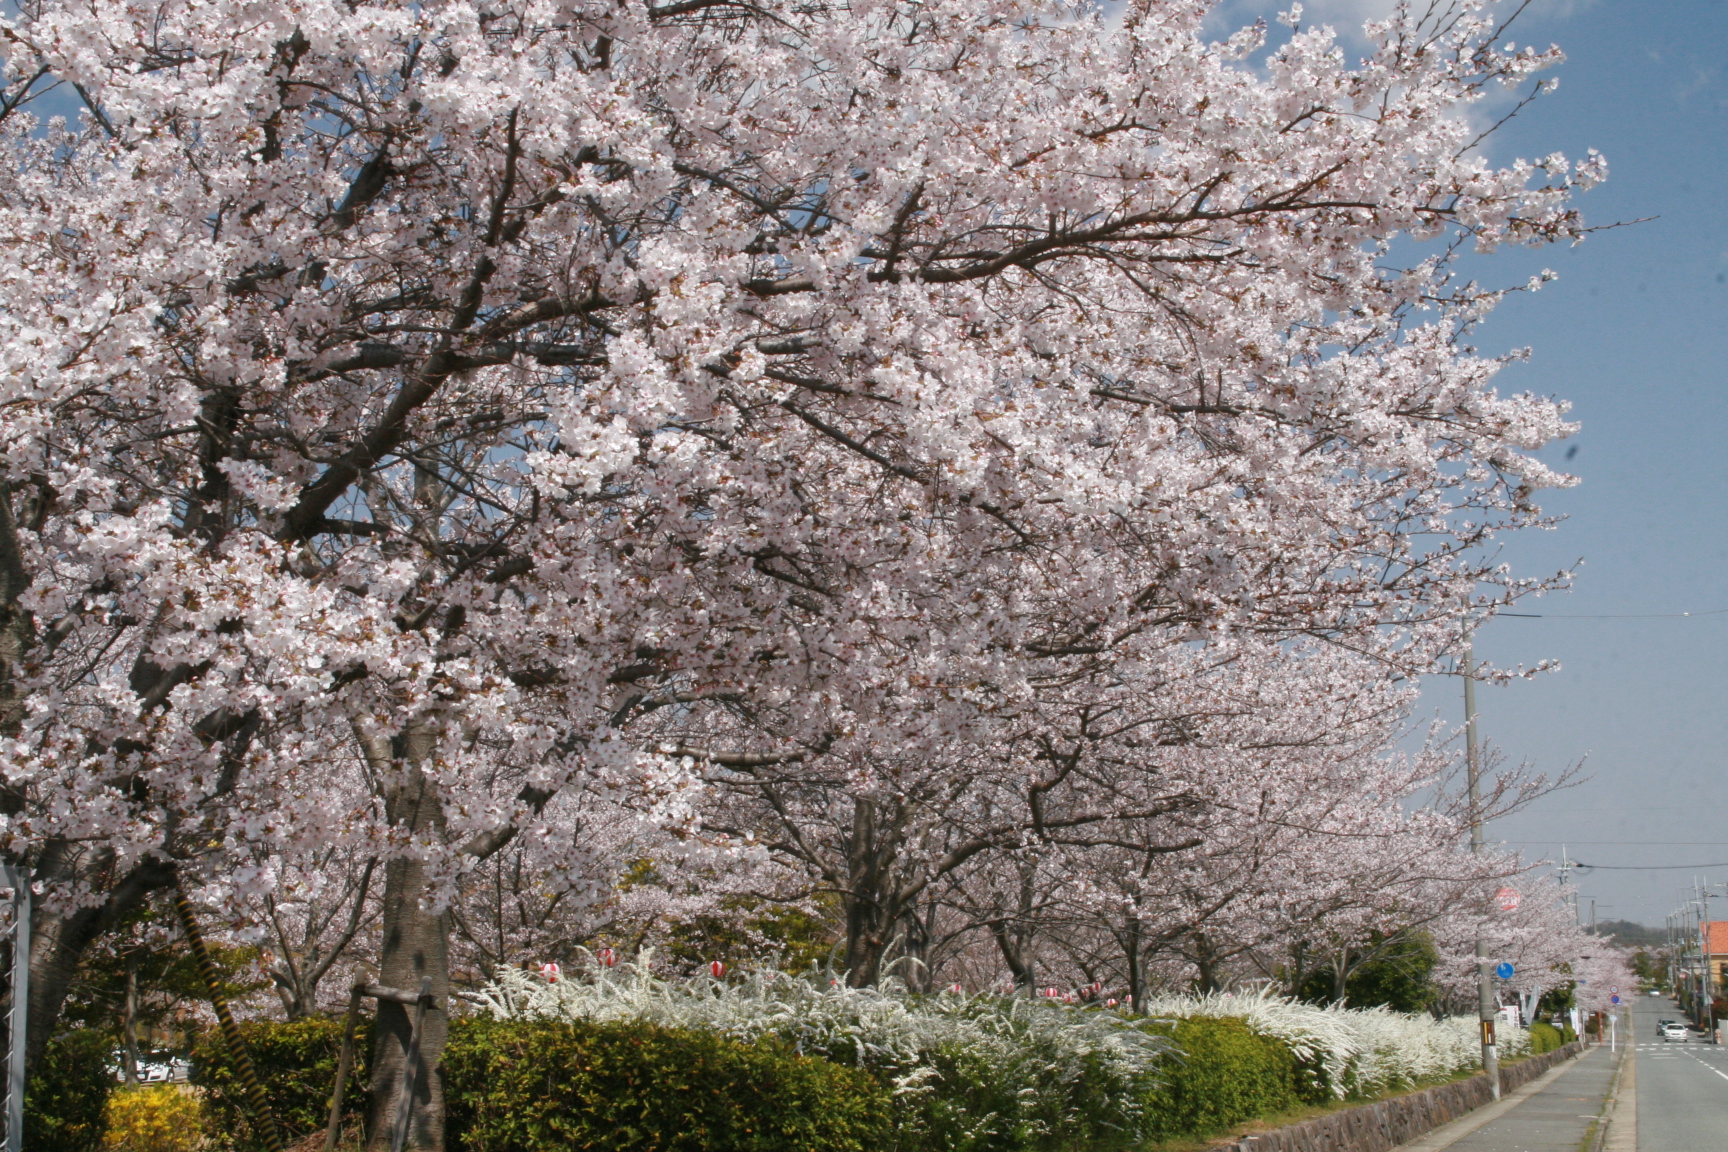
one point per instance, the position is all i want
(914, 937)
(1136, 965)
(1015, 934)
(58, 942)
(871, 901)
(287, 991)
(17, 635)
(1206, 966)
(1298, 971)
(129, 1024)
(1015, 954)
(866, 940)
(416, 945)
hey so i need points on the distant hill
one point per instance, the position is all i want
(1631, 935)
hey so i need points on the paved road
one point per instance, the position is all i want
(1682, 1086)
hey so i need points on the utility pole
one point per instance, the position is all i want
(1694, 954)
(1566, 891)
(1486, 1001)
(1668, 924)
(1708, 982)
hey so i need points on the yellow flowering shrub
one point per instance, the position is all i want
(155, 1118)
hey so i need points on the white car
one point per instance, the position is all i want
(1676, 1032)
(161, 1070)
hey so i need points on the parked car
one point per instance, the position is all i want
(1673, 1031)
(153, 1068)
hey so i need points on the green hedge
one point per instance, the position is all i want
(544, 1086)
(516, 1086)
(66, 1094)
(296, 1064)
(540, 1086)
(971, 1105)
(1221, 1075)
(1545, 1038)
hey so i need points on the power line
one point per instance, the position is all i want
(1635, 843)
(1628, 808)
(1613, 615)
(1642, 867)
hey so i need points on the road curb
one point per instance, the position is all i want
(1618, 1128)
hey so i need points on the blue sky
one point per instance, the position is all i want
(1635, 335)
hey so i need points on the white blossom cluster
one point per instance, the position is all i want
(1364, 1051)
(870, 1027)
(1039, 1048)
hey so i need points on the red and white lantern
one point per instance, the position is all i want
(717, 969)
(551, 972)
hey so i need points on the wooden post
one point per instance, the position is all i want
(344, 1066)
(411, 1069)
(345, 1062)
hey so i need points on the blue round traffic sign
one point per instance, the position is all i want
(1505, 970)
(1613, 999)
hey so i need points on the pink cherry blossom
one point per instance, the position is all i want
(919, 450)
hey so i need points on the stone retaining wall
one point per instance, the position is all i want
(1385, 1124)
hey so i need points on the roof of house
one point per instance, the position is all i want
(1717, 941)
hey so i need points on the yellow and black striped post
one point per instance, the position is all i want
(230, 1031)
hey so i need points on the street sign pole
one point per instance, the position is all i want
(1486, 1001)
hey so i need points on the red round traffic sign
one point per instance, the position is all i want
(1508, 899)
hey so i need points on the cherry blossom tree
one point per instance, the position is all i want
(1541, 939)
(455, 403)
(317, 919)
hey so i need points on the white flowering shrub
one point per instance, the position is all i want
(991, 1072)
(976, 1070)
(1362, 1051)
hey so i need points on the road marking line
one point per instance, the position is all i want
(1718, 1071)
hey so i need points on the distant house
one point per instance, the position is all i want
(1713, 935)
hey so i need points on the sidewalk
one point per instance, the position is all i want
(1552, 1113)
